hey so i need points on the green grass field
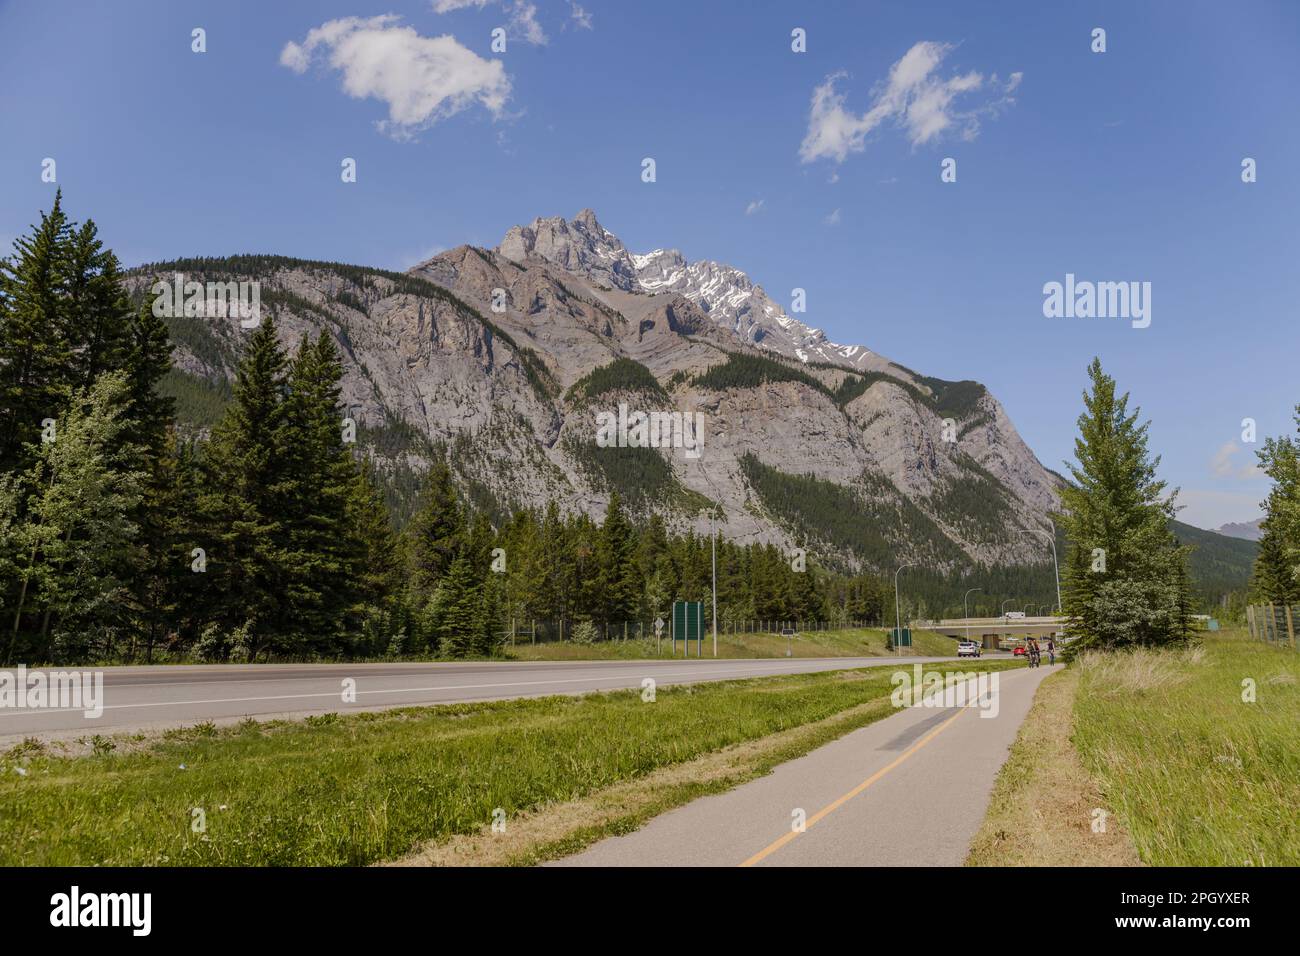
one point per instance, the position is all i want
(1198, 775)
(361, 788)
(849, 642)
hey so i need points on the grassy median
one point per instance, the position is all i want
(363, 788)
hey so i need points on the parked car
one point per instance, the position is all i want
(1018, 652)
(968, 649)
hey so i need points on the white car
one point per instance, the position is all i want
(968, 649)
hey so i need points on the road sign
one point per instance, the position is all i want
(688, 624)
(900, 641)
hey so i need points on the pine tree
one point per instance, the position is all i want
(1125, 575)
(97, 312)
(313, 493)
(35, 356)
(242, 533)
(618, 576)
(457, 612)
(436, 535)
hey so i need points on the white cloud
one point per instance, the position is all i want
(522, 24)
(755, 206)
(833, 219)
(1224, 464)
(580, 16)
(914, 97)
(422, 79)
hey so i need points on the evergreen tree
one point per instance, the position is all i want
(456, 610)
(35, 356)
(242, 532)
(436, 535)
(1277, 568)
(97, 312)
(1125, 575)
(313, 496)
(78, 538)
(617, 574)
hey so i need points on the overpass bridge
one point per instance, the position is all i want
(990, 631)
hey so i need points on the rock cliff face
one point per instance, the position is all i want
(512, 356)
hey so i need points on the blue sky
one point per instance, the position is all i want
(1115, 166)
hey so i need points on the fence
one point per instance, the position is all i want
(1274, 623)
(561, 631)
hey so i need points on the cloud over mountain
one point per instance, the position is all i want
(914, 97)
(421, 79)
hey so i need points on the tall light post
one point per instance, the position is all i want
(1051, 539)
(898, 623)
(713, 534)
(966, 609)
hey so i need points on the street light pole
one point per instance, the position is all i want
(966, 609)
(713, 528)
(898, 622)
(1051, 539)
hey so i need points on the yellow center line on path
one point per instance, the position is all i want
(830, 808)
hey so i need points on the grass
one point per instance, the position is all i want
(849, 642)
(1198, 775)
(1044, 803)
(362, 788)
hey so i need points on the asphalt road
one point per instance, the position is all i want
(143, 698)
(909, 790)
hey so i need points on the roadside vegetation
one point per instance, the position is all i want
(846, 642)
(362, 788)
(1187, 769)
(1198, 750)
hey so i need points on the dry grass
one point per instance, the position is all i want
(1043, 804)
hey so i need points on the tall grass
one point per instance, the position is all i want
(1200, 776)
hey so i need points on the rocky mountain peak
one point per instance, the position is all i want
(727, 295)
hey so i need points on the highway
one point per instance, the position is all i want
(908, 790)
(151, 698)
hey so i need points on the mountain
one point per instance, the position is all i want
(1219, 563)
(508, 360)
(582, 246)
(1246, 530)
